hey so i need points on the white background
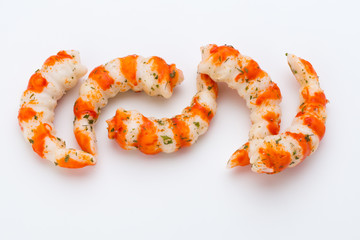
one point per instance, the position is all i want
(189, 194)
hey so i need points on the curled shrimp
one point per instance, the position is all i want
(46, 86)
(133, 130)
(151, 75)
(276, 153)
(262, 95)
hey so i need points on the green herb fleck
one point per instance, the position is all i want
(246, 70)
(307, 137)
(303, 108)
(31, 141)
(160, 122)
(239, 70)
(167, 140)
(197, 124)
(209, 88)
(172, 74)
(67, 158)
(112, 130)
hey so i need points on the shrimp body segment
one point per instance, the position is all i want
(151, 75)
(275, 153)
(132, 130)
(262, 95)
(46, 86)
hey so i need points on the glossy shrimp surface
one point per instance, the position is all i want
(46, 86)
(151, 75)
(132, 130)
(262, 95)
(275, 153)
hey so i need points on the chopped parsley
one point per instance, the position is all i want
(239, 70)
(160, 122)
(67, 157)
(197, 124)
(307, 137)
(167, 140)
(31, 141)
(209, 88)
(303, 108)
(172, 74)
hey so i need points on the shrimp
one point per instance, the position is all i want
(278, 152)
(46, 86)
(262, 95)
(152, 75)
(133, 130)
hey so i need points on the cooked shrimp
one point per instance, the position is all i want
(275, 153)
(133, 130)
(262, 96)
(152, 75)
(46, 86)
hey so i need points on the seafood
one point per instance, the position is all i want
(275, 153)
(262, 95)
(133, 130)
(151, 75)
(46, 86)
